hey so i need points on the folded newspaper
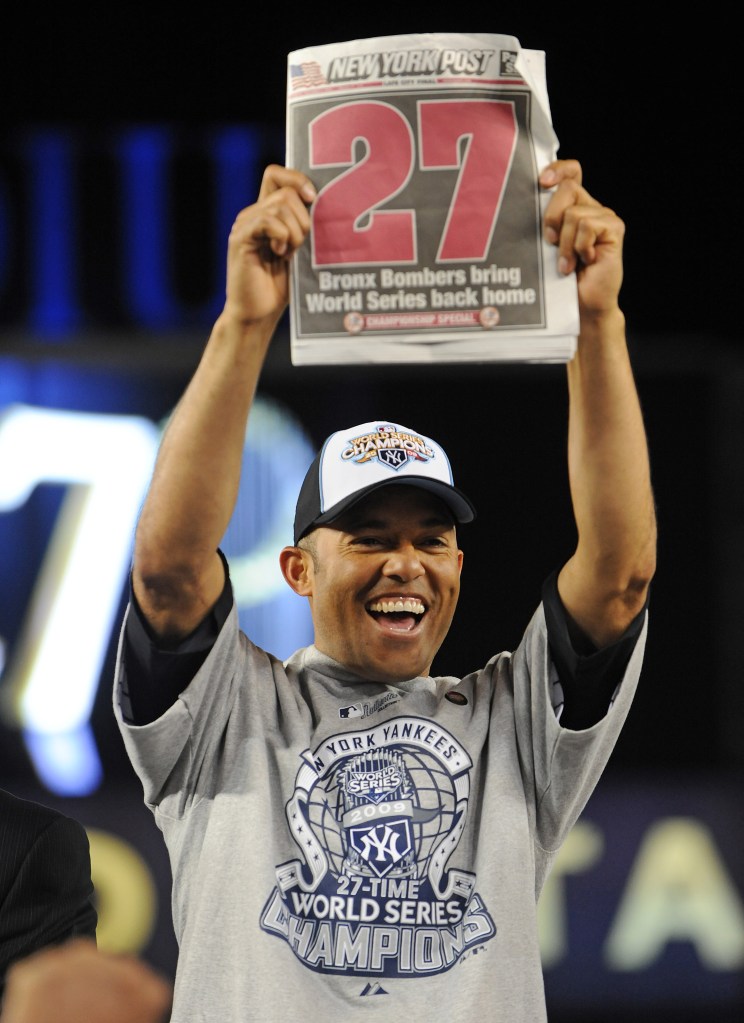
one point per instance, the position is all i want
(426, 242)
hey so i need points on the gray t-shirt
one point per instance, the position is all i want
(346, 849)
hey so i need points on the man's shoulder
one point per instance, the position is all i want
(28, 817)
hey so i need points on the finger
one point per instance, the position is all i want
(282, 220)
(583, 231)
(560, 170)
(267, 231)
(594, 232)
(568, 194)
(276, 177)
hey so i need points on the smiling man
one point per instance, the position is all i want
(346, 830)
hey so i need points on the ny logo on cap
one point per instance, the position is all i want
(393, 458)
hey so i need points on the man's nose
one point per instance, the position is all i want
(403, 563)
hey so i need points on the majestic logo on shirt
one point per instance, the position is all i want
(366, 709)
(377, 815)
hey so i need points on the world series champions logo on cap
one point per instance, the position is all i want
(389, 445)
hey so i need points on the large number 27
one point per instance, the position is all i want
(477, 137)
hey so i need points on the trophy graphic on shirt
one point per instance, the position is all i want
(377, 810)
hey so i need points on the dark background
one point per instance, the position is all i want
(652, 113)
(649, 108)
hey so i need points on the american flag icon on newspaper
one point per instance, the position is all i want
(306, 74)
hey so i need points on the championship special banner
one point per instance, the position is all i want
(426, 241)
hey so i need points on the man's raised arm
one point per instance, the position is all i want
(177, 573)
(604, 584)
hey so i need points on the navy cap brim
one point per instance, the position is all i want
(461, 507)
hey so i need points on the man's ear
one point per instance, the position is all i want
(296, 566)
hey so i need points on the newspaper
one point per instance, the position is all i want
(426, 242)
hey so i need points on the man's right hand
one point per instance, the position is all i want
(263, 239)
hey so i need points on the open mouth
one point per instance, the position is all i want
(399, 614)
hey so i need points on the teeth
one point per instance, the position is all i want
(388, 606)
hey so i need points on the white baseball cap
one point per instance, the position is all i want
(354, 462)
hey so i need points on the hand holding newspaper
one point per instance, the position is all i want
(426, 241)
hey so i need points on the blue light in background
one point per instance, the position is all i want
(103, 463)
(57, 731)
(66, 763)
(144, 155)
(54, 306)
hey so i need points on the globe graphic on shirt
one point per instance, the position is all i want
(419, 782)
(378, 814)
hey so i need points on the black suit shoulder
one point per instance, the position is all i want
(22, 823)
(46, 889)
